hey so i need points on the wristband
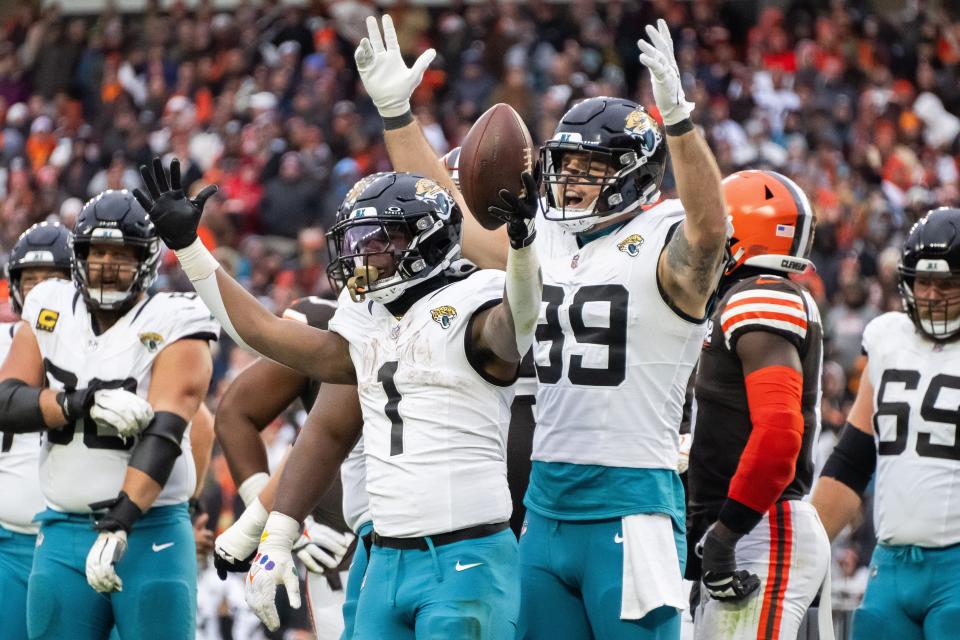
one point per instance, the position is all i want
(196, 261)
(397, 122)
(680, 128)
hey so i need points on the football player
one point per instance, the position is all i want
(41, 252)
(434, 362)
(244, 412)
(111, 376)
(903, 426)
(627, 284)
(757, 398)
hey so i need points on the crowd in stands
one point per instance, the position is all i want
(264, 100)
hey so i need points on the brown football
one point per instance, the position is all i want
(494, 153)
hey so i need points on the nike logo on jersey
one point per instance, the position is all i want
(464, 567)
(618, 538)
(160, 547)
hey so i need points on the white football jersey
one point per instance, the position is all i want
(353, 477)
(87, 464)
(916, 387)
(19, 466)
(435, 430)
(613, 358)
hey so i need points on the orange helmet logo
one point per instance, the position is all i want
(772, 221)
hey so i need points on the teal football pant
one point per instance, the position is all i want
(159, 574)
(358, 569)
(467, 590)
(913, 593)
(571, 576)
(16, 558)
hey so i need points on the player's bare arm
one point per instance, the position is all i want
(181, 376)
(689, 268)
(390, 83)
(837, 494)
(201, 444)
(245, 411)
(330, 432)
(319, 354)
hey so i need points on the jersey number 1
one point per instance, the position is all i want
(392, 408)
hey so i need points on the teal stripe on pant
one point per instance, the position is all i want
(913, 594)
(16, 558)
(466, 590)
(358, 569)
(159, 574)
(571, 576)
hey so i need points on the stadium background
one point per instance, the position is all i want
(853, 100)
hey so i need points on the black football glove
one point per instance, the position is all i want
(520, 213)
(225, 566)
(175, 216)
(721, 579)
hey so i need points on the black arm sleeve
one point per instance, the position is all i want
(20, 407)
(159, 446)
(853, 460)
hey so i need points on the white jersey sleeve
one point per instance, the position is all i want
(916, 386)
(85, 463)
(19, 465)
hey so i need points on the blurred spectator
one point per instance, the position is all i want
(291, 201)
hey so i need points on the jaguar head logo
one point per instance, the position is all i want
(151, 340)
(429, 191)
(443, 315)
(640, 124)
(631, 245)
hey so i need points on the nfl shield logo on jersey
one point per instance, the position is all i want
(151, 340)
(443, 315)
(631, 245)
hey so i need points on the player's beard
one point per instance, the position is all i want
(108, 289)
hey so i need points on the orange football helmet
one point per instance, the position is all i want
(773, 223)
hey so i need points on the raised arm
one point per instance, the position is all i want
(390, 83)
(690, 267)
(503, 333)
(318, 354)
(839, 489)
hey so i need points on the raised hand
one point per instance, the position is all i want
(658, 56)
(386, 77)
(520, 211)
(175, 216)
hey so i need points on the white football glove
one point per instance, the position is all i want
(102, 558)
(320, 547)
(235, 546)
(683, 454)
(658, 57)
(386, 77)
(119, 409)
(272, 566)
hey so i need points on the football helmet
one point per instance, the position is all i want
(628, 142)
(45, 244)
(773, 223)
(115, 217)
(400, 231)
(932, 252)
